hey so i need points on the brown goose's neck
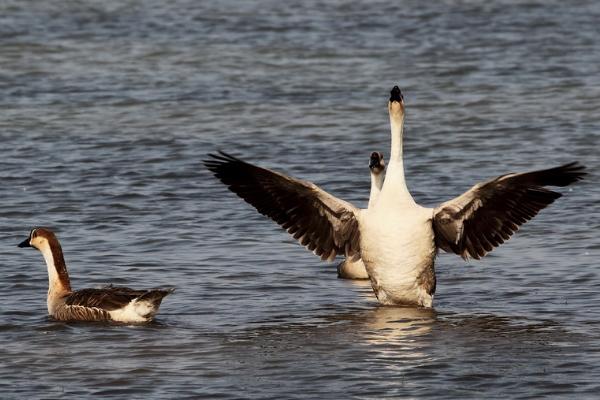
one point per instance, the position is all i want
(58, 277)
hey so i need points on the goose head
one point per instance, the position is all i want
(39, 238)
(396, 103)
(46, 242)
(376, 163)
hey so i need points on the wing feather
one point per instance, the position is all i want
(324, 224)
(110, 298)
(487, 215)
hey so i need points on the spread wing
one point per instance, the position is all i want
(323, 223)
(472, 224)
(107, 298)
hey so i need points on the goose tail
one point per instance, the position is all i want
(147, 305)
(155, 296)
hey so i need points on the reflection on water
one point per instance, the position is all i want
(412, 351)
(398, 325)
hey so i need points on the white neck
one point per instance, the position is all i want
(376, 185)
(395, 185)
(397, 127)
(55, 286)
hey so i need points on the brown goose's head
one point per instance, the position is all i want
(38, 238)
(45, 241)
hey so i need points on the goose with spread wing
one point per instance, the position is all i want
(397, 239)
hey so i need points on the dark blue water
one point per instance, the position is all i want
(107, 110)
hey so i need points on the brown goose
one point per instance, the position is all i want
(397, 239)
(110, 303)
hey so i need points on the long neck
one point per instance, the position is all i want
(58, 277)
(395, 185)
(376, 185)
(397, 127)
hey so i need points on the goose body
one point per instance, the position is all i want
(396, 239)
(355, 269)
(398, 250)
(111, 303)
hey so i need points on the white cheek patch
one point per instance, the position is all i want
(31, 236)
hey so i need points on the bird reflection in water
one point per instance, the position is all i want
(398, 332)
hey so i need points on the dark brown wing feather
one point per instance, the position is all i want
(482, 218)
(323, 223)
(113, 297)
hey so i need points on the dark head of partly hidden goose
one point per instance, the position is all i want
(376, 163)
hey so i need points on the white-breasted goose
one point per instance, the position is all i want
(397, 239)
(111, 303)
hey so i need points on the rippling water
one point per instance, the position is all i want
(108, 108)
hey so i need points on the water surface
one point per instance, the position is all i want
(107, 110)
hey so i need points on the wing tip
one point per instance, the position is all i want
(567, 174)
(219, 158)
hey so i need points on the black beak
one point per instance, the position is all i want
(396, 95)
(373, 162)
(24, 243)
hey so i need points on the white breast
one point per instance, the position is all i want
(398, 250)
